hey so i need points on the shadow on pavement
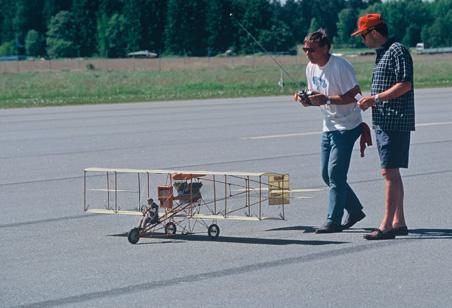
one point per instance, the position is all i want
(418, 233)
(305, 229)
(431, 233)
(230, 239)
(412, 233)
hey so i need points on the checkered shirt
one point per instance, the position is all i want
(392, 65)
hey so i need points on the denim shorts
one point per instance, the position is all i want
(393, 148)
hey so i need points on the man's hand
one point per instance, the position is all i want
(302, 100)
(318, 99)
(365, 102)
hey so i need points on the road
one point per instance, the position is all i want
(54, 254)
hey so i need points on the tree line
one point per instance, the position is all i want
(112, 28)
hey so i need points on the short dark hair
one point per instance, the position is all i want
(319, 37)
(382, 29)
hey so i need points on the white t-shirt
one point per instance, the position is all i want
(337, 77)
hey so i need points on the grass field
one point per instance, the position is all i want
(200, 80)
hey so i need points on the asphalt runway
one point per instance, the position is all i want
(54, 254)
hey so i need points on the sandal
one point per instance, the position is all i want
(400, 231)
(380, 235)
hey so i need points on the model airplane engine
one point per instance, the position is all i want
(188, 191)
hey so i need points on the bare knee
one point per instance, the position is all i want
(390, 174)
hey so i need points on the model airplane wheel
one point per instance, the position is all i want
(170, 228)
(213, 231)
(133, 236)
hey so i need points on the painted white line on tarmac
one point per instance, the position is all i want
(295, 190)
(318, 133)
(300, 190)
(433, 124)
(282, 136)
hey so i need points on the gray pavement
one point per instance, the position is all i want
(53, 254)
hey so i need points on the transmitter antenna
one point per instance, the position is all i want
(265, 50)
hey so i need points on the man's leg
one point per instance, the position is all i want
(352, 205)
(337, 148)
(354, 209)
(325, 149)
(399, 217)
(394, 193)
(393, 148)
(341, 151)
(327, 153)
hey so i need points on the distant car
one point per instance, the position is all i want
(142, 54)
(229, 52)
(420, 47)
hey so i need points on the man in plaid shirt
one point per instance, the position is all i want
(392, 102)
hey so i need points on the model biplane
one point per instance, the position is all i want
(184, 199)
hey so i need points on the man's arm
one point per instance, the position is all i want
(393, 92)
(320, 99)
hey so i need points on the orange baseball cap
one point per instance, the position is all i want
(366, 22)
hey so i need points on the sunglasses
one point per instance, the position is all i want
(367, 32)
(310, 49)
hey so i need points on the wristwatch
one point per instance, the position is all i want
(328, 101)
(377, 98)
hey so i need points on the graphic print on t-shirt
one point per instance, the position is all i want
(319, 83)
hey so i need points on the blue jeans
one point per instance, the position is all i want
(336, 151)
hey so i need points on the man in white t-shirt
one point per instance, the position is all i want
(334, 87)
